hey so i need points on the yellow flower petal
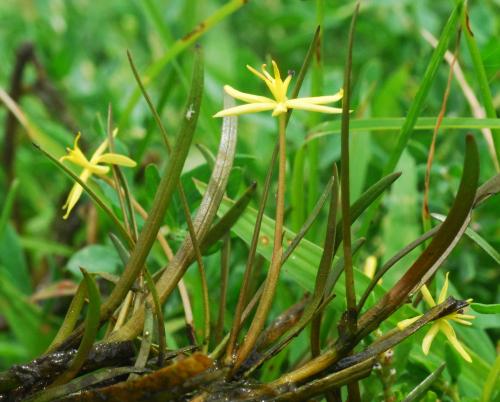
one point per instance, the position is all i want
(97, 169)
(280, 104)
(406, 323)
(250, 108)
(427, 296)
(75, 156)
(452, 337)
(99, 151)
(321, 100)
(73, 197)
(466, 316)
(243, 96)
(116, 159)
(429, 337)
(75, 194)
(460, 321)
(286, 83)
(257, 73)
(277, 75)
(444, 290)
(266, 73)
(299, 104)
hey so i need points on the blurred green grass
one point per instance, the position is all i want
(82, 46)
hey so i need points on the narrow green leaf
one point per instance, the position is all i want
(477, 238)
(417, 104)
(207, 155)
(484, 87)
(417, 392)
(147, 339)
(125, 255)
(165, 191)
(485, 308)
(301, 269)
(396, 124)
(491, 384)
(298, 207)
(90, 332)
(178, 47)
(309, 221)
(366, 199)
(71, 318)
(8, 204)
(224, 224)
(423, 90)
(202, 222)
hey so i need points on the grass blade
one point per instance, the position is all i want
(90, 333)
(419, 391)
(423, 90)
(396, 124)
(202, 221)
(178, 47)
(163, 196)
(482, 78)
(476, 238)
(418, 102)
(224, 224)
(71, 318)
(366, 199)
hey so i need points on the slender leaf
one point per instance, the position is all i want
(163, 196)
(485, 308)
(417, 392)
(202, 221)
(396, 124)
(477, 238)
(90, 333)
(178, 47)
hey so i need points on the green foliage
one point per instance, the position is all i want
(398, 85)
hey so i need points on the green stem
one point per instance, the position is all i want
(224, 276)
(201, 268)
(344, 182)
(274, 270)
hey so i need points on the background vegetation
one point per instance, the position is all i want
(81, 67)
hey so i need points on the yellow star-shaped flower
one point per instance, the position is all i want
(441, 324)
(280, 104)
(90, 167)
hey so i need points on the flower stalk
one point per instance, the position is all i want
(274, 270)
